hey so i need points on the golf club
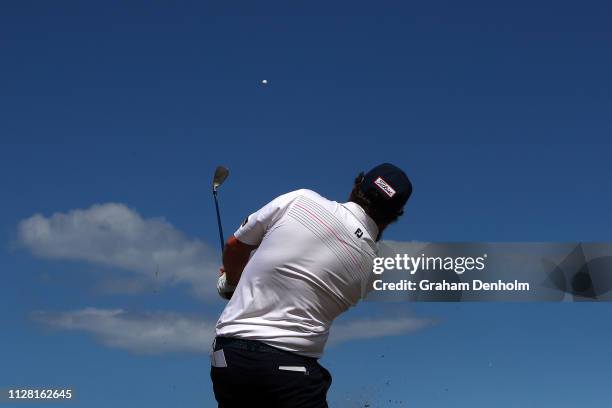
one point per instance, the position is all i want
(221, 174)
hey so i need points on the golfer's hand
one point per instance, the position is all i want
(224, 289)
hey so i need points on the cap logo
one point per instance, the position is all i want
(384, 186)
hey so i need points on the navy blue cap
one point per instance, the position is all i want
(388, 186)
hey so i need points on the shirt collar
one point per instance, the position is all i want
(362, 217)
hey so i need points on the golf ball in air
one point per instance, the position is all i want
(264, 81)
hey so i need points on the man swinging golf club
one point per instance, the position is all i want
(289, 270)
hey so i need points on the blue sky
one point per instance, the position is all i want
(498, 111)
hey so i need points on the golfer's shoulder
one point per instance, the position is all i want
(304, 193)
(284, 201)
(305, 199)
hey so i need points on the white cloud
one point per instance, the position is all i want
(151, 333)
(375, 328)
(155, 333)
(155, 253)
(391, 248)
(152, 249)
(113, 234)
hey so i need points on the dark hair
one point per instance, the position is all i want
(373, 204)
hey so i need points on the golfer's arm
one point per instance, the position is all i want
(235, 257)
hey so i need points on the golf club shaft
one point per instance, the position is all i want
(221, 240)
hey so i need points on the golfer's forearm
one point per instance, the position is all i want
(235, 257)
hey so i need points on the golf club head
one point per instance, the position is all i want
(221, 174)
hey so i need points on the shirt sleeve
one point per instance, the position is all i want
(255, 226)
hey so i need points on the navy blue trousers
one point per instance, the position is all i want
(248, 373)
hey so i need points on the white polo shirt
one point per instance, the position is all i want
(314, 261)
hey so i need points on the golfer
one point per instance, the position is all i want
(289, 270)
